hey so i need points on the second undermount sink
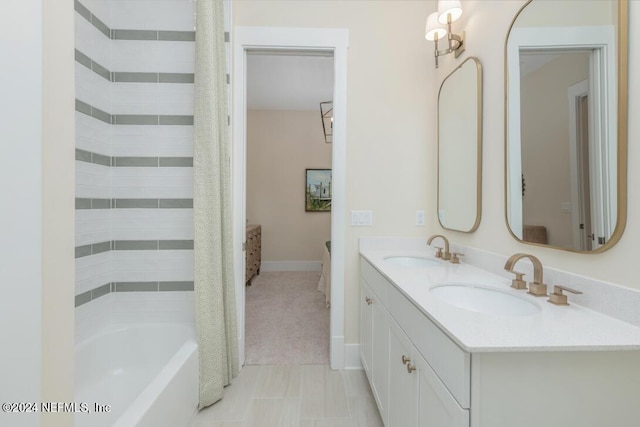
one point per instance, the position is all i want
(484, 300)
(411, 261)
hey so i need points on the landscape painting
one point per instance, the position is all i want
(318, 190)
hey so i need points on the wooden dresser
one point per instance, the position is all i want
(253, 252)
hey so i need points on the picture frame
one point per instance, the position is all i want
(317, 190)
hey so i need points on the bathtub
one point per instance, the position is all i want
(147, 374)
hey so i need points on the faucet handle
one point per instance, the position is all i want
(518, 282)
(537, 289)
(438, 252)
(454, 257)
(558, 298)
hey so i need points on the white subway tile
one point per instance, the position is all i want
(92, 318)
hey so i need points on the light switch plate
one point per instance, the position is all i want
(420, 218)
(361, 218)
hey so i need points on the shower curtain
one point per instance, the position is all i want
(214, 285)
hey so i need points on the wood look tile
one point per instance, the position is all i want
(322, 393)
(274, 413)
(279, 382)
(237, 399)
(328, 422)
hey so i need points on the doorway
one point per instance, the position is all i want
(255, 39)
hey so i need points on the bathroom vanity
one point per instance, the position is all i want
(433, 361)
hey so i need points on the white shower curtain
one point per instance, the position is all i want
(214, 285)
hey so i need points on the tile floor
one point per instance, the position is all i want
(294, 396)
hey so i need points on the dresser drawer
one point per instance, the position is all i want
(450, 362)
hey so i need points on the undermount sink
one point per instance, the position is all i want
(411, 261)
(484, 300)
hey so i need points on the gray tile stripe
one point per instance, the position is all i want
(89, 157)
(83, 11)
(123, 77)
(135, 161)
(176, 78)
(136, 204)
(132, 77)
(83, 59)
(101, 26)
(133, 119)
(134, 35)
(92, 249)
(107, 288)
(86, 203)
(175, 286)
(136, 287)
(100, 70)
(176, 162)
(100, 159)
(136, 245)
(83, 203)
(83, 298)
(178, 36)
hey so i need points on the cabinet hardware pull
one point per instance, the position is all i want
(405, 359)
(368, 300)
(410, 368)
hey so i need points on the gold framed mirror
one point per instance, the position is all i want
(566, 89)
(460, 148)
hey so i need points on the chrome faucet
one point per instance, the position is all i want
(446, 255)
(537, 286)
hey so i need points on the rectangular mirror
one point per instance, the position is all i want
(566, 123)
(460, 148)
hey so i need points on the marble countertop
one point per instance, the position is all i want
(552, 328)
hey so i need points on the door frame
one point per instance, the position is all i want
(309, 39)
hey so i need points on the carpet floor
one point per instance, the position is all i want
(286, 320)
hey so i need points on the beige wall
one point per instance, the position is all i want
(280, 146)
(545, 144)
(487, 43)
(58, 205)
(390, 165)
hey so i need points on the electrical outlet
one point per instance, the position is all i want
(420, 218)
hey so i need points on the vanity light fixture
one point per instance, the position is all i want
(326, 113)
(439, 27)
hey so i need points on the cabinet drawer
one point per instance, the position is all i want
(450, 362)
(375, 280)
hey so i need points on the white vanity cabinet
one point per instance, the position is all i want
(422, 378)
(374, 346)
(404, 343)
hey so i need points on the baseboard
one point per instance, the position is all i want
(352, 356)
(291, 266)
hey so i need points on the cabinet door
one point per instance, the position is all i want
(403, 379)
(366, 323)
(436, 406)
(380, 357)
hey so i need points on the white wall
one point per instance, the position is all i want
(36, 311)
(21, 215)
(486, 24)
(390, 114)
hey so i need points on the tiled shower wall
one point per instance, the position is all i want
(134, 157)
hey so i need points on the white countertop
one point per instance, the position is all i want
(553, 328)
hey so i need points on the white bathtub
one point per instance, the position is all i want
(148, 374)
